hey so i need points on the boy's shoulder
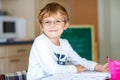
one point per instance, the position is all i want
(63, 40)
(39, 38)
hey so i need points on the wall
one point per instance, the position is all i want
(104, 30)
(85, 12)
(115, 29)
(0, 4)
(24, 9)
(109, 27)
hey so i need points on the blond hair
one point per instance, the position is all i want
(51, 9)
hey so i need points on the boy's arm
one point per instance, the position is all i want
(80, 68)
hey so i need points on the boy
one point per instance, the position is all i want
(49, 54)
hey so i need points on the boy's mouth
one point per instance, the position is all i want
(53, 30)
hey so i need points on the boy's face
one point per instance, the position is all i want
(54, 26)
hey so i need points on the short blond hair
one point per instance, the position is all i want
(51, 9)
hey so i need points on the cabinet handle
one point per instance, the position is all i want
(21, 50)
(15, 60)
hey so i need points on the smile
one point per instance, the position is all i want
(53, 30)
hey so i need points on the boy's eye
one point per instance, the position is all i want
(47, 22)
(58, 22)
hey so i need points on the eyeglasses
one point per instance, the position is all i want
(56, 22)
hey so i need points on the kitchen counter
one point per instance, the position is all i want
(16, 42)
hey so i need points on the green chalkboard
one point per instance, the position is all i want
(80, 38)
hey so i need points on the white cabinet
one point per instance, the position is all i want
(14, 57)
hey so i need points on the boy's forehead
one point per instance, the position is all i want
(55, 15)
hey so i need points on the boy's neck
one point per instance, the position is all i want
(55, 42)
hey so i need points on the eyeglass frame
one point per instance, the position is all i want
(49, 22)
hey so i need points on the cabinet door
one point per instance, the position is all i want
(3, 66)
(28, 47)
(17, 63)
(16, 50)
(14, 58)
(2, 60)
(2, 52)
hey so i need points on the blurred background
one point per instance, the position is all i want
(104, 15)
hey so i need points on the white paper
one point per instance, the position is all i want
(88, 75)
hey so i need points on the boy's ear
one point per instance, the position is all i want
(40, 26)
(66, 25)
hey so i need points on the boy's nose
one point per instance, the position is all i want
(52, 24)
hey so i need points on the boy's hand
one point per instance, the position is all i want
(105, 67)
(80, 68)
(102, 68)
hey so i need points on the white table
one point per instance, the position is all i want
(88, 75)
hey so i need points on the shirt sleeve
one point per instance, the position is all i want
(74, 58)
